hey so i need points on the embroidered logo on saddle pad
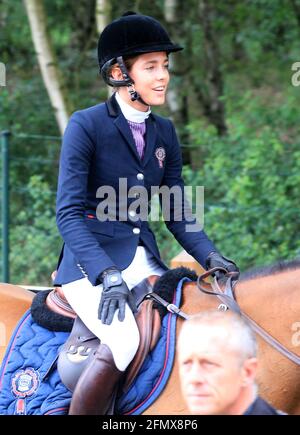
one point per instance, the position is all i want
(26, 390)
(25, 382)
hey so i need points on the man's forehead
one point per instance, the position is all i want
(193, 333)
(211, 344)
(208, 339)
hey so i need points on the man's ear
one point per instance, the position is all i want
(249, 371)
(116, 73)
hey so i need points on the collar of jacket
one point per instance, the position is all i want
(123, 126)
(114, 108)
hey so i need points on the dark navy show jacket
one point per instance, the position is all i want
(261, 407)
(97, 150)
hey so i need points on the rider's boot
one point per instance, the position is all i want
(97, 385)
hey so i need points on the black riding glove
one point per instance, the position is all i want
(215, 259)
(115, 295)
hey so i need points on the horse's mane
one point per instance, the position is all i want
(280, 266)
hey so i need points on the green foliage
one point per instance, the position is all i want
(251, 181)
(251, 176)
(34, 239)
(168, 246)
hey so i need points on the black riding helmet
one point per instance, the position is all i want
(130, 35)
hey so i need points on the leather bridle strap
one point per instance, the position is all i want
(227, 298)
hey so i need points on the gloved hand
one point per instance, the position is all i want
(215, 259)
(115, 295)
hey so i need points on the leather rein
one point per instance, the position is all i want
(228, 301)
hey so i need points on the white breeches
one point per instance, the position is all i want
(121, 337)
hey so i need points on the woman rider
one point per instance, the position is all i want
(123, 149)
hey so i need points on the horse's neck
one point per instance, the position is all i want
(271, 287)
(272, 301)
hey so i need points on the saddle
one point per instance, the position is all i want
(82, 343)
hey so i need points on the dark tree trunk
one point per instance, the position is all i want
(176, 13)
(296, 6)
(209, 94)
(83, 13)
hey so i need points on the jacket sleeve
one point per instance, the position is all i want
(76, 155)
(177, 212)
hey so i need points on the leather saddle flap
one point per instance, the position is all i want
(82, 344)
(149, 324)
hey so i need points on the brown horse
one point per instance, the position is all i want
(14, 301)
(273, 301)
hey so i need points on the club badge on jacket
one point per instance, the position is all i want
(160, 154)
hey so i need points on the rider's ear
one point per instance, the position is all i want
(116, 73)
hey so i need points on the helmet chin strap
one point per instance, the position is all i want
(134, 95)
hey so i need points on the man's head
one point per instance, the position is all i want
(217, 363)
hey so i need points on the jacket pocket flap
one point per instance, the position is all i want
(95, 226)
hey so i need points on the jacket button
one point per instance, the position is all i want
(140, 176)
(136, 230)
(132, 213)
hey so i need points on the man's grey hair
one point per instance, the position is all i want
(240, 338)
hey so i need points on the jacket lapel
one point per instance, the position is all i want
(125, 131)
(150, 140)
(121, 124)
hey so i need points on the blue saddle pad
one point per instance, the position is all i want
(30, 383)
